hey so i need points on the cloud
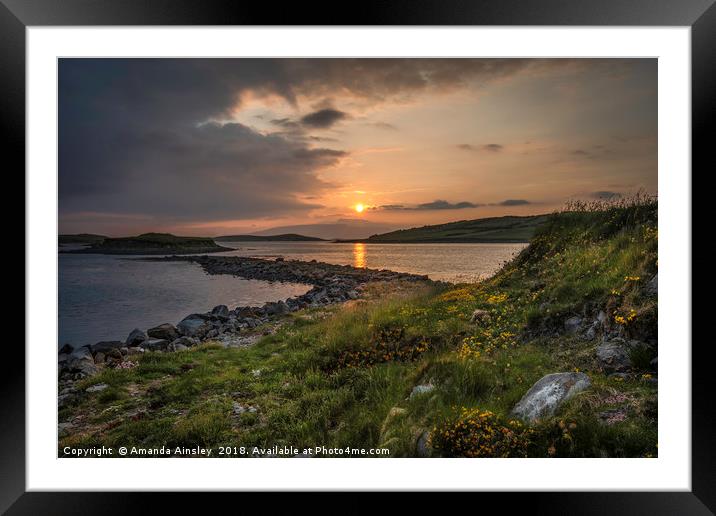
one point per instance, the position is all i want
(384, 125)
(324, 118)
(434, 205)
(605, 194)
(513, 202)
(204, 173)
(491, 147)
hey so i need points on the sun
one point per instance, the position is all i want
(359, 208)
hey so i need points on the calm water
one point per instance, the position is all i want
(104, 297)
(447, 262)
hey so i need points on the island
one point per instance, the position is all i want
(152, 243)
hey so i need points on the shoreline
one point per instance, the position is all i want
(331, 284)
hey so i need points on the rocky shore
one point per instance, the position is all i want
(331, 284)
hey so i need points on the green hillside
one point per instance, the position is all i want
(494, 229)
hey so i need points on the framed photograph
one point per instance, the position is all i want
(424, 248)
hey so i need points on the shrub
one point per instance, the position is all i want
(480, 433)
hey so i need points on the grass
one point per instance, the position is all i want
(343, 376)
(493, 229)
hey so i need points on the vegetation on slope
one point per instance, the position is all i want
(154, 243)
(494, 229)
(346, 376)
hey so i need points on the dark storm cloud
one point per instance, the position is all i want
(323, 118)
(136, 136)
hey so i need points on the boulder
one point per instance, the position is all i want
(156, 344)
(106, 345)
(80, 353)
(96, 388)
(163, 331)
(422, 445)
(80, 363)
(220, 310)
(136, 338)
(550, 391)
(183, 343)
(479, 316)
(613, 357)
(421, 389)
(66, 349)
(194, 325)
(652, 288)
(572, 324)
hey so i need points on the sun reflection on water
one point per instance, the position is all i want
(359, 255)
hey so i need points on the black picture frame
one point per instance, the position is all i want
(17, 15)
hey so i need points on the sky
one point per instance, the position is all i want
(345, 148)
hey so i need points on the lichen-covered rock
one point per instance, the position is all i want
(613, 357)
(421, 389)
(550, 391)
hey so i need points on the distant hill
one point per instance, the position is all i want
(495, 229)
(153, 243)
(81, 238)
(287, 237)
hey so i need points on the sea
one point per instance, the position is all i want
(104, 297)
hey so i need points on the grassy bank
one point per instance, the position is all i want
(345, 376)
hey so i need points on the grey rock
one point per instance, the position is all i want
(136, 338)
(652, 288)
(186, 342)
(177, 347)
(163, 331)
(591, 333)
(96, 388)
(613, 357)
(194, 325)
(550, 391)
(82, 365)
(66, 349)
(99, 358)
(156, 344)
(62, 358)
(106, 345)
(480, 316)
(239, 409)
(221, 310)
(422, 446)
(63, 429)
(421, 389)
(572, 324)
